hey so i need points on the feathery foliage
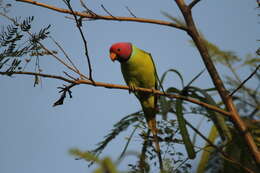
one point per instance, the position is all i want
(18, 44)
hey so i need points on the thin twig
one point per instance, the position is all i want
(110, 14)
(193, 3)
(60, 60)
(88, 10)
(249, 77)
(100, 17)
(65, 54)
(132, 14)
(69, 75)
(83, 38)
(124, 87)
(127, 144)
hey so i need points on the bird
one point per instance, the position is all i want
(138, 69)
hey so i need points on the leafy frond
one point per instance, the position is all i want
(119, 127)
(178, 21)
(41, 35)
(16, 42)
(105, 165)
(218, 55)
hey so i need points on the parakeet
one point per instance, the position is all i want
(139, 70)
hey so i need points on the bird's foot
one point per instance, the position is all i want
(153, 90)
(132, 88)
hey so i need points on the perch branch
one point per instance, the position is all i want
(124, 87)
(100, 17)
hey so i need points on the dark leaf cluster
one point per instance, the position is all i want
(17, 42)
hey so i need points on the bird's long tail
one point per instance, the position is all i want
(151, 121)
(149, 105)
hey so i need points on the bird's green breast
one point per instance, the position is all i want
(139, 69)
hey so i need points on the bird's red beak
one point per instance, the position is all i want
(113, 56)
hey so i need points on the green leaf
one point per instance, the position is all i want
(217, 118)
(173, 71)
(173, 90)
(106, 166)
(207, 151)
(84, 155)
(183, 130)
(165, 107)
(218, 55)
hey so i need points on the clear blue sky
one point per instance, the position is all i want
(35, 137)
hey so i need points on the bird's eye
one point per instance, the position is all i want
(118, 49)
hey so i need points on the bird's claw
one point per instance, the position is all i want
(132, 89)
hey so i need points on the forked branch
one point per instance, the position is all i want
(100, 17)
(226, 98)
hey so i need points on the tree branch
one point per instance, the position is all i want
(224, 155)
(249, 77)
(227, 100)
(100, 17)
(65, 54)
(124, 87)
(193, 3)
(67, 2)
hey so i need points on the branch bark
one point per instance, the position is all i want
(193, 3)
(226, 98)
(100, 17)
(124, 87)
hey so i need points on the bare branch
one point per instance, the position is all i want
(100, 17)
(124, 87)
(65, 54)
(249, 77)
(88, 10)
(103, 7)
(83, 38)
(61, 61)
(132, 14)
(73, 78)
(193, 3)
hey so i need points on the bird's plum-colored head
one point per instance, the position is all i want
(120, 51)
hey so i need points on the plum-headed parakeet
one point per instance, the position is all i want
(139, 70)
